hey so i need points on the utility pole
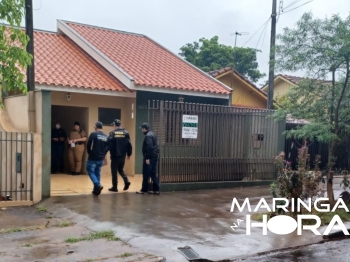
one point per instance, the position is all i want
(272, 56)
(30, 69)
(30, 45)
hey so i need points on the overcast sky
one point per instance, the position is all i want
(174, 23)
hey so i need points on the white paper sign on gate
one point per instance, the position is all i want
(189, 126)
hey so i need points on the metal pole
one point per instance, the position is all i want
(30, 69)
(272, 56)
(30, 45)
(236, 39)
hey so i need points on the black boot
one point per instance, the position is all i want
(113, 189)
(127, 185)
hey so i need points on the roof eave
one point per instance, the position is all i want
(179, 91)
(96, 54)
(84, 90)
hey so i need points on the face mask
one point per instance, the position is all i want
(58, 126)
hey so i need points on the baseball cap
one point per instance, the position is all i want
(116, 122)
(99, 125)
(145, 126)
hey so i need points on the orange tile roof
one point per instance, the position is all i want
(147, 62)
(59, 61)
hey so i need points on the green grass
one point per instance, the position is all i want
(49, 216)
(14, 230)
(66, 224)
(325, 217)
(109, 235)
(126, 255)
(41, 209)
(27, 245)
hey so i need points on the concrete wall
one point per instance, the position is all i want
(18, 106)
(14, 120)
(92, 103)
(242, 93)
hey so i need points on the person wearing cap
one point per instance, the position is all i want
(150, 153)
(76, 140)
(120, 147)
(97, 150)
(58, 136)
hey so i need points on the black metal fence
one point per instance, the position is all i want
(292, 146)
(16, 170)
(232, 144)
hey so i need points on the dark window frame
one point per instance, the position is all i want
(110, 113)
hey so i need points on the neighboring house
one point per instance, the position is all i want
(245, 93)
(282, 85)
(87, 73)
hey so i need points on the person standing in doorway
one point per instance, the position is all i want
(58, 136)
(150, 153)
(120, 147)
(76, 140)
(97, 150)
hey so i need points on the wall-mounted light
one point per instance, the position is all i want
(181, 99)
(132, 106)
(68, 96)
(132, 115)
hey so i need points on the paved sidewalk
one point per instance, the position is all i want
(63, 184)
(33, 234)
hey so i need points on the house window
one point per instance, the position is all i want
(107, 115)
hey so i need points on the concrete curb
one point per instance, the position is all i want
(170, 187)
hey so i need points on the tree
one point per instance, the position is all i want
(13, 42)
(320, 47)
(208, 55)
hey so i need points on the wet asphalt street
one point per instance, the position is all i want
(161, 224)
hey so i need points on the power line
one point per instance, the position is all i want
(296, 7)
(257, 31)
(264, 36)
(262, 32)
(293, 3)
(41, 5)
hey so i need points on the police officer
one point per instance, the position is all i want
(150, 151)
(76, 140)
(97, 149)
(58, 136)
(119, 146)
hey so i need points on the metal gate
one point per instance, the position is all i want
(233, 143)
(16, 170)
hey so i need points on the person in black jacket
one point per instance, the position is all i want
(119, 146)
(150, 153)
(97, 150)
(58, 137)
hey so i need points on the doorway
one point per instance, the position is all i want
(67, 115)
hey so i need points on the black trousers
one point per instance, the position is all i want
(150, 171)
(57, 158)
(117, 166)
